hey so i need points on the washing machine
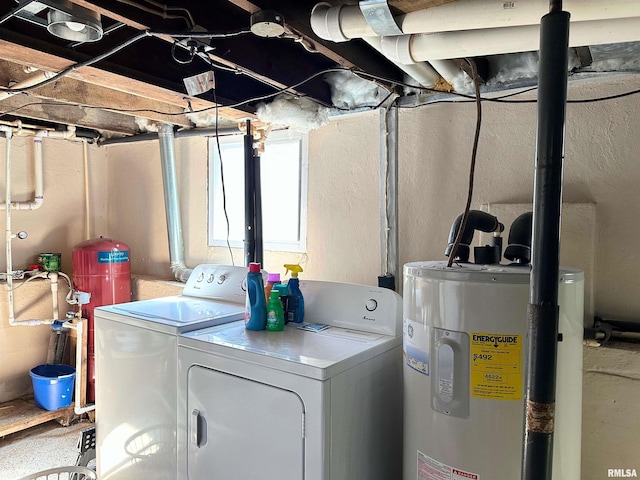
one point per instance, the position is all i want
(136, 370)
(318, 401)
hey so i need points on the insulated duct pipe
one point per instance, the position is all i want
(543, 312)
(342, 23)
(171, 203)
(474, 43)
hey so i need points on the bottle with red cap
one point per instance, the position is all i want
(255, 316)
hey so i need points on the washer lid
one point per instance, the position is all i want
(175, 314)
(313, 354)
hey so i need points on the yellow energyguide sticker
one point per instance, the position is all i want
(496, 366)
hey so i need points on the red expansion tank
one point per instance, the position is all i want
(102, 268)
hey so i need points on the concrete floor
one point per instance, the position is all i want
(39, 448)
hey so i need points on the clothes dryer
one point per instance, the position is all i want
(310, 402)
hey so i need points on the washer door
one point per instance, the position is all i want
(242, 429)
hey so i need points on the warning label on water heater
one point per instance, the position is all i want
(431, 469)
(496, 366)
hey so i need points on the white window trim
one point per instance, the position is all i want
(274, 137)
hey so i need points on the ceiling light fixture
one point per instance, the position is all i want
(267, 23)
(73, 22)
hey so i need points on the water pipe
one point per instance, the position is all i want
(36, 203)
(38, 197)
(344, 22)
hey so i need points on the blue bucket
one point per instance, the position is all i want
(52, 385)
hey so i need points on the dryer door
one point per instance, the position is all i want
(242, 429)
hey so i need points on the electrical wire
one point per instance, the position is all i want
(166, 8)
(66, 71)
(222, 182)
(472, 168)
(162, 14)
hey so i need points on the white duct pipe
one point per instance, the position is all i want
(345, 22)
(473, 43)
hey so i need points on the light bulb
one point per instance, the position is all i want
(75, 26)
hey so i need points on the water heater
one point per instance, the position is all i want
(465, 369)
(102, 268)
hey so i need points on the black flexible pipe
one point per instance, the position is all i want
(543, 307)
(249, 199)
(477, 220)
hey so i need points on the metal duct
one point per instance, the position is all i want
(171, 203)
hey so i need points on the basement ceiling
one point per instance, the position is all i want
(144, 80)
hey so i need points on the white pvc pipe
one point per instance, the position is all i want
(87, 209)
(423, 73)
(8, 236)
(342, 23)
(473, 43)
(38, 197)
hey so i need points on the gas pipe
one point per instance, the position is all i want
(102, 268)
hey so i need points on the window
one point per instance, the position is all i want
(283, 169)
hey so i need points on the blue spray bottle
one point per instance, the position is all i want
(255, 315)
(295, 306)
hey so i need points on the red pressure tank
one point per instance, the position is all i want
(102, 268)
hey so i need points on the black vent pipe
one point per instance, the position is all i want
(542, 333)
(477, 220)
(249, 199)
(519, 242)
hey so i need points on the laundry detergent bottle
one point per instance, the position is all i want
(295, 306)
(255, 315)
(275, 313)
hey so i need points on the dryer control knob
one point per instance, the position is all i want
(371, 305)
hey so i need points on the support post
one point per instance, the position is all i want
(249, 198)
(542, 334)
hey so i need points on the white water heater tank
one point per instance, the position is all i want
(464, 370)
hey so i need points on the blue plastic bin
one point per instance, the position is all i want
(52, 385)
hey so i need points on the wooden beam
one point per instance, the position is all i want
(81, 93)
(44, 61)
(54, 112)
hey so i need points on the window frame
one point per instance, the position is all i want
(279, 136)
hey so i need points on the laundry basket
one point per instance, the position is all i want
(63, 473)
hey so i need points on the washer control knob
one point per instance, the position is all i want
(371, 305)
(210, 278)
(221, 279)
(200, 277)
